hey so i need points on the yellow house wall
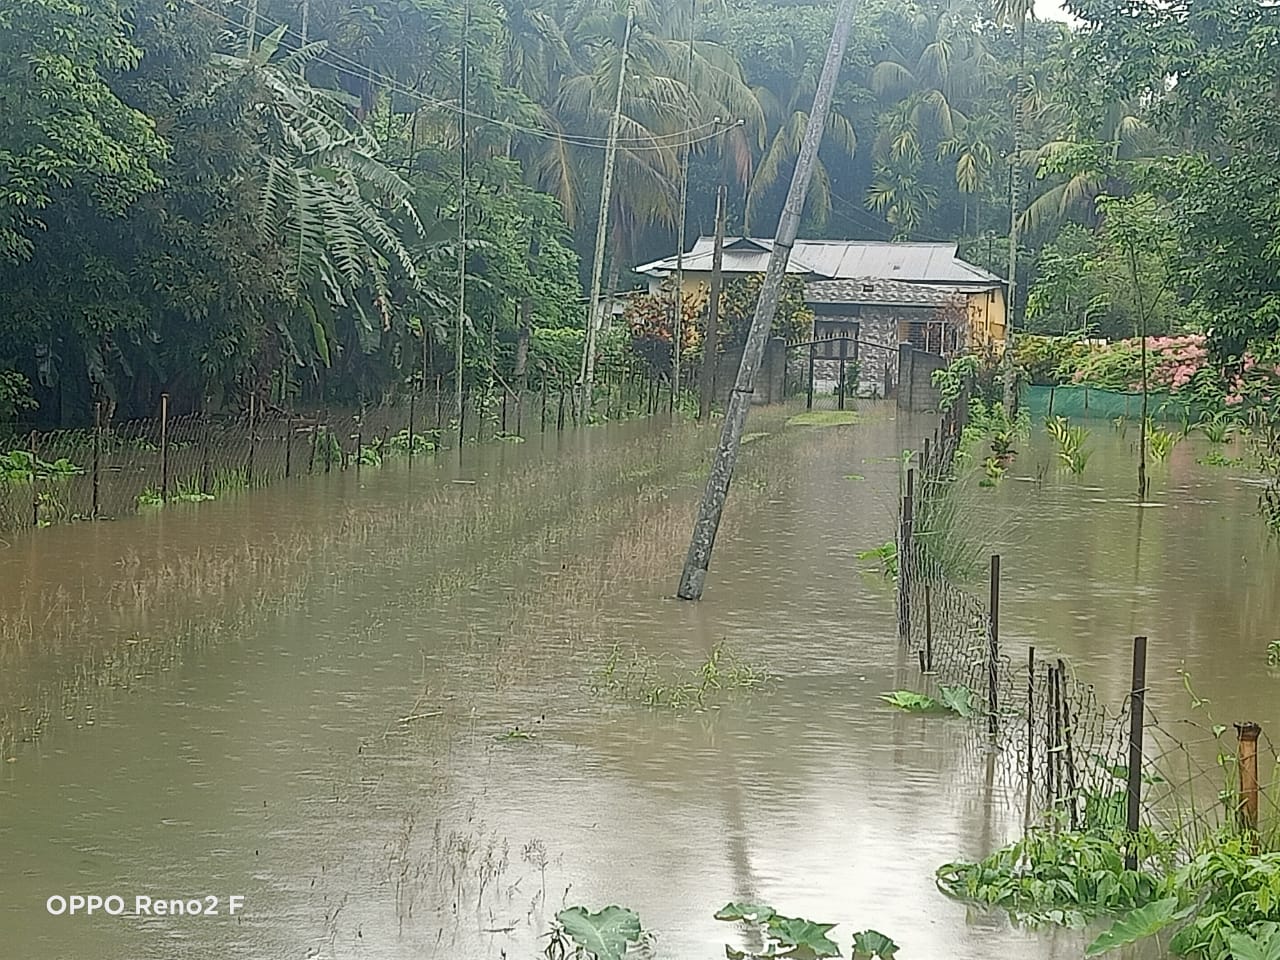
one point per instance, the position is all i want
(987, 321)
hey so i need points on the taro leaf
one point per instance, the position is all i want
(1136, 925)
(874, 945)
(604, 935)
(959, 700)
(910, 700)
(809, 938)
(751, 912)
(1264, 945)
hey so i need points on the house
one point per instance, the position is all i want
(873, 295)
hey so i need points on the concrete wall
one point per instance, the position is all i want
(769, 378)
(915, 384)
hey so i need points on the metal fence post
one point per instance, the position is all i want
(928, 627)
(1068, 754)
(1137, 706)
(906, 553)
(1031, 735)
(288, 447)
(164, 446)
(206, 468)
(359, 441)
(993, 651)
(808, 402)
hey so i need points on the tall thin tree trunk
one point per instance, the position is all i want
(606, 192)
(1015, 203)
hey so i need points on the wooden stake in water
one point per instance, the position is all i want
(1247, 752)
(993, 652)
(1137, 718)
(97, 457)
(164, 446)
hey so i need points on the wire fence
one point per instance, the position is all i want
(114, 469)
(1073, 759)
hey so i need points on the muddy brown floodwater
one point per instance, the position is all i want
(371, 706)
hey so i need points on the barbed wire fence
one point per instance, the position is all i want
(116, 468)
(1073, 760)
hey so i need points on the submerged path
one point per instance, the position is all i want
(378, 713)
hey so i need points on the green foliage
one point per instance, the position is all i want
(642, 680)
(1140, 924)
(21, 466)
(793, 320)
(1072, 452)
(1053, 877)
(1160, 442)
(604, 935)
(951, 699)
(1273, 653)
(873, 945)
(954, 379)
(793, 937)
(886, 555)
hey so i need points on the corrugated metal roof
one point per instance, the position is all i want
(836, 260)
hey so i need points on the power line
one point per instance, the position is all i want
(359, 71)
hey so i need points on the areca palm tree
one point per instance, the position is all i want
(786, 114)
(899, 192)
(973, 147)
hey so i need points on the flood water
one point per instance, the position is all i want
(370, 706)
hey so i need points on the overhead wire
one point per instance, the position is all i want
(357, 70)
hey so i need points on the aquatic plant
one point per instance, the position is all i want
(1056, 428)
(641, 679)
(1160, 442)
(1216, 458)
(993, 472)
(887, 555)
(1071, 449)
(1273, 653)
(957, 699)
(21, 466)
(604, 935)
(1216, 428)
(797, 937)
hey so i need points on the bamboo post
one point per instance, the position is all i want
(905, 554)
(97, 459)
(993, 650)
(808, 402)
(560, 415)
(164, 446)
(542, 421)
(412, 398)
(206, 467)
(1247, 752)
(288, 447)
(926, 457)
(328, 446)
(1137, 705)
(844, 350)
(359, 441)
(253, 438)
(35, 487)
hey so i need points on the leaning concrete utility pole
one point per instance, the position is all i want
(594, 308)
(704, 530)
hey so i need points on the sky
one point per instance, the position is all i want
(1051, 10)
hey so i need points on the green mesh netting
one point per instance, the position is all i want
(1090, 402)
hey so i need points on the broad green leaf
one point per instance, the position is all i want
(1263, 945)
(959, 700)
(874, 945)
(810, 939)
(751, 912)
(604, 935)
(1136, 925)
(910, 700)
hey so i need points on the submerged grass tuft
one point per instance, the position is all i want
(641, 679)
